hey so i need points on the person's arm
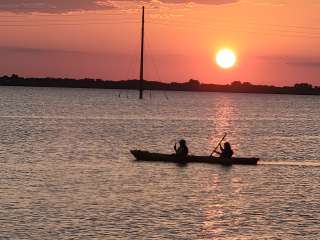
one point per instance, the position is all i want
(221, 148)
(217, 152)
(175, 147)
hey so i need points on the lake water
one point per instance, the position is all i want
(67, 173)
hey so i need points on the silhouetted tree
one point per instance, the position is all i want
(236, 84)
(191, 85)
(303, 86)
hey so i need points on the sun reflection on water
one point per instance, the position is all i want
(224, 122)
(225, 204)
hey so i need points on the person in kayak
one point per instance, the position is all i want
(182, 150)
(226, 151)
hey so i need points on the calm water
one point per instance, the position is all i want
(66, 170)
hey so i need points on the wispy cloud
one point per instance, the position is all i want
(274, 3)
(298, 61)
(312, 63)
(53, 6)
(25, 50)
(62, 6)
(212, 2)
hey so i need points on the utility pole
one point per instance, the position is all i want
(142, 56)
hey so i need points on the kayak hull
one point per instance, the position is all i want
(159, 157)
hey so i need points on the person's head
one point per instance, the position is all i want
(182, 142)
(227, 145)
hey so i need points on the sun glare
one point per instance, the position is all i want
(226, 58)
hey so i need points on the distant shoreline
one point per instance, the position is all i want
(190, 86)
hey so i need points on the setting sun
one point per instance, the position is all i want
(226, 58)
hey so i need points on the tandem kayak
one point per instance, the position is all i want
(159, 157)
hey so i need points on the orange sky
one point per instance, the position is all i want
(277, 41)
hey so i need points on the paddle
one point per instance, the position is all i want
(218, 144)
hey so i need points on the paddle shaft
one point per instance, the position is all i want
(218, 144)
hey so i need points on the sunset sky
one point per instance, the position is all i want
(276, 41)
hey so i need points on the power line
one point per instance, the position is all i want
(93, 21)
(237, 29)
(60, 15)
(219, 21)
(258, 24)
(187, 24)
(67, 20)
(67, 24)
(250, 28)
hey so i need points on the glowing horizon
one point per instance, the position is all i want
(90, 40)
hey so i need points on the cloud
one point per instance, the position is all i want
(62, 6)
(212, 2)
(53, 6)
(274, 3)
(26, 50)
(298, 61)
(312, 63)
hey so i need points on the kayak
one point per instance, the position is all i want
(159, 157)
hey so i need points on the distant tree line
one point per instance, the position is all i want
(191, 85)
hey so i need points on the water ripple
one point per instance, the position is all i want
(66, 170)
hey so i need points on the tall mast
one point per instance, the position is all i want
(142, 55)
